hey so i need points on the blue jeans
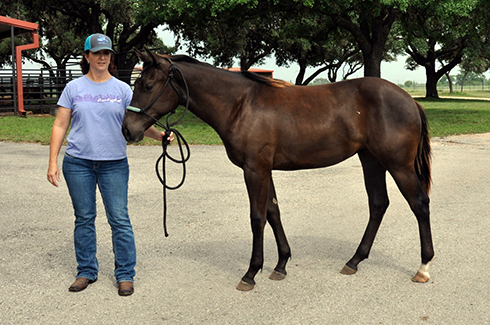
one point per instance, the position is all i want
(82, 176)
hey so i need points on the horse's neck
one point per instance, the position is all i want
(215, 96)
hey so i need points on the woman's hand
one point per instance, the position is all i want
(58, 132)
(171, 137)
(54, 174)
(153, 133)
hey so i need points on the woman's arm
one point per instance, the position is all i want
(58, 132)
(153, 133)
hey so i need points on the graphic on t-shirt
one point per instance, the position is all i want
(97, 99)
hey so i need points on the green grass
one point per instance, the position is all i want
(446, 117)
(194, 130)
(31, 129)
(444, 92)
(37, 129)
(456, 116)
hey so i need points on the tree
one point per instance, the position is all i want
(60, 41)
(470, 78)
(476, 58)
(319, 81)
(64, 25)
(17, 10)
(327, 35)
(223, 30)
(313, 40)
(369, 22)
(438, 31)
(118, 19)
(253, 30)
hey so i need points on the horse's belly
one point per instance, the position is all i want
(313, 159)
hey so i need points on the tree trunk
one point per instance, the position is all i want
(244, 66)
(372, 65)
(464, 79)
(450, 82)
(371, 33)
(302, 72)
(125, 67)
(431, 84)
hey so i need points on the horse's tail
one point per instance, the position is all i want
(423, 158)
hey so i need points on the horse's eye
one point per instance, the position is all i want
(148, 87)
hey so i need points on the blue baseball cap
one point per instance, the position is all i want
(98, 42)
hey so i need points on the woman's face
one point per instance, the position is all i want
(99, 61)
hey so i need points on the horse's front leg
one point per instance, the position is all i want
(257, 182)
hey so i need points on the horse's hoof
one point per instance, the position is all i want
(245, 286)
(420, 278)
(422, 275)
(277, 276)
(348, 270)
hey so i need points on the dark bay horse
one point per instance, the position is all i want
(268, 124)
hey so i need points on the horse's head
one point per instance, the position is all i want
(154, 96)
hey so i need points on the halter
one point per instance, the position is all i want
(171, 69)
(168, 129)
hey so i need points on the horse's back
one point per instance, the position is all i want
(368, 97)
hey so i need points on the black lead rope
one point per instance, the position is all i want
(163, 177)
(181, 141)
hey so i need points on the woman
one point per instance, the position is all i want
(96, 156)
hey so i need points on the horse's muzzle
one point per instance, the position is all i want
(132, 137)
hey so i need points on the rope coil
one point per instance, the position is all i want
(162, 176)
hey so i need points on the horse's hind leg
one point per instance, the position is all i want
(375, 182)
(417, 198)
(274, 219)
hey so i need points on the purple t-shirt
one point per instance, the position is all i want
(97, 113)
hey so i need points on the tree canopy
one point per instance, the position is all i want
(64, 25)
(437, 34)
(324, 35)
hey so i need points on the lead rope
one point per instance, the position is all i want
(180, 139)
(163, 177)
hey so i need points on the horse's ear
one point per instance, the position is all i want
(143, 56)
(148, 56)
(153, 57)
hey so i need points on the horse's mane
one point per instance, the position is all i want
(247, 74)
(185, 58)
(265, 80)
